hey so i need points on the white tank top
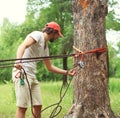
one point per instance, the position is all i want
(35, 50)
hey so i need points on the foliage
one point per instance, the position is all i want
(114, 60)
(111, 22)
(38, 14)
(9, 38)
(64, 18)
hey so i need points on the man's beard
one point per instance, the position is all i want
(51, 40)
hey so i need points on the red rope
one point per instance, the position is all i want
(100, 50)
(80, 54)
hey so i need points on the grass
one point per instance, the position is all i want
(50, 94)
(115, 95)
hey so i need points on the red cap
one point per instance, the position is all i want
(55, 26)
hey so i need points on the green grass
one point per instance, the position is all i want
(50, 94)
(114, 88)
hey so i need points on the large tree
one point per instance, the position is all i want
(91, 95)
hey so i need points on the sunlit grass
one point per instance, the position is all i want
(51, 95)
(114, 88)
(7, 101)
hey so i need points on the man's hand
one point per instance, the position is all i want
(71, 72)
(18, 65)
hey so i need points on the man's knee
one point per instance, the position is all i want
(23, 110)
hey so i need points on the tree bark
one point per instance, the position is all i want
(91, 95)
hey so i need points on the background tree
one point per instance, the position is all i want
(112, 61)
(91, 97)
(9, 39)
(117, 61)
(112, 22)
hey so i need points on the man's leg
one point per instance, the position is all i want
(20, 113)
(37, 111)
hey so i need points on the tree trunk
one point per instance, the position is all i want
(91, 95)
(64, 78)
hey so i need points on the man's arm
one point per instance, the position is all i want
(23, 46)
(55, 69)
(21, 50)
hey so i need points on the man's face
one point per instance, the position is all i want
(51, 40)
(54, 37)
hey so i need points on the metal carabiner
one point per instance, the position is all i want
(81, 64)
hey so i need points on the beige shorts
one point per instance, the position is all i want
(23, 97)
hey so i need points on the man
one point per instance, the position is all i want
(35, 45)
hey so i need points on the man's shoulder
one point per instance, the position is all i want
(36, 35)
(36, 32)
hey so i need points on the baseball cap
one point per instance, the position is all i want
(55, 26)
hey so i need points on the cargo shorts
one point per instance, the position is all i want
(23, 96)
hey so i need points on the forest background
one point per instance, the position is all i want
(38, 13)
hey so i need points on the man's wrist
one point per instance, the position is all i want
(18, 60)
(66, 72)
